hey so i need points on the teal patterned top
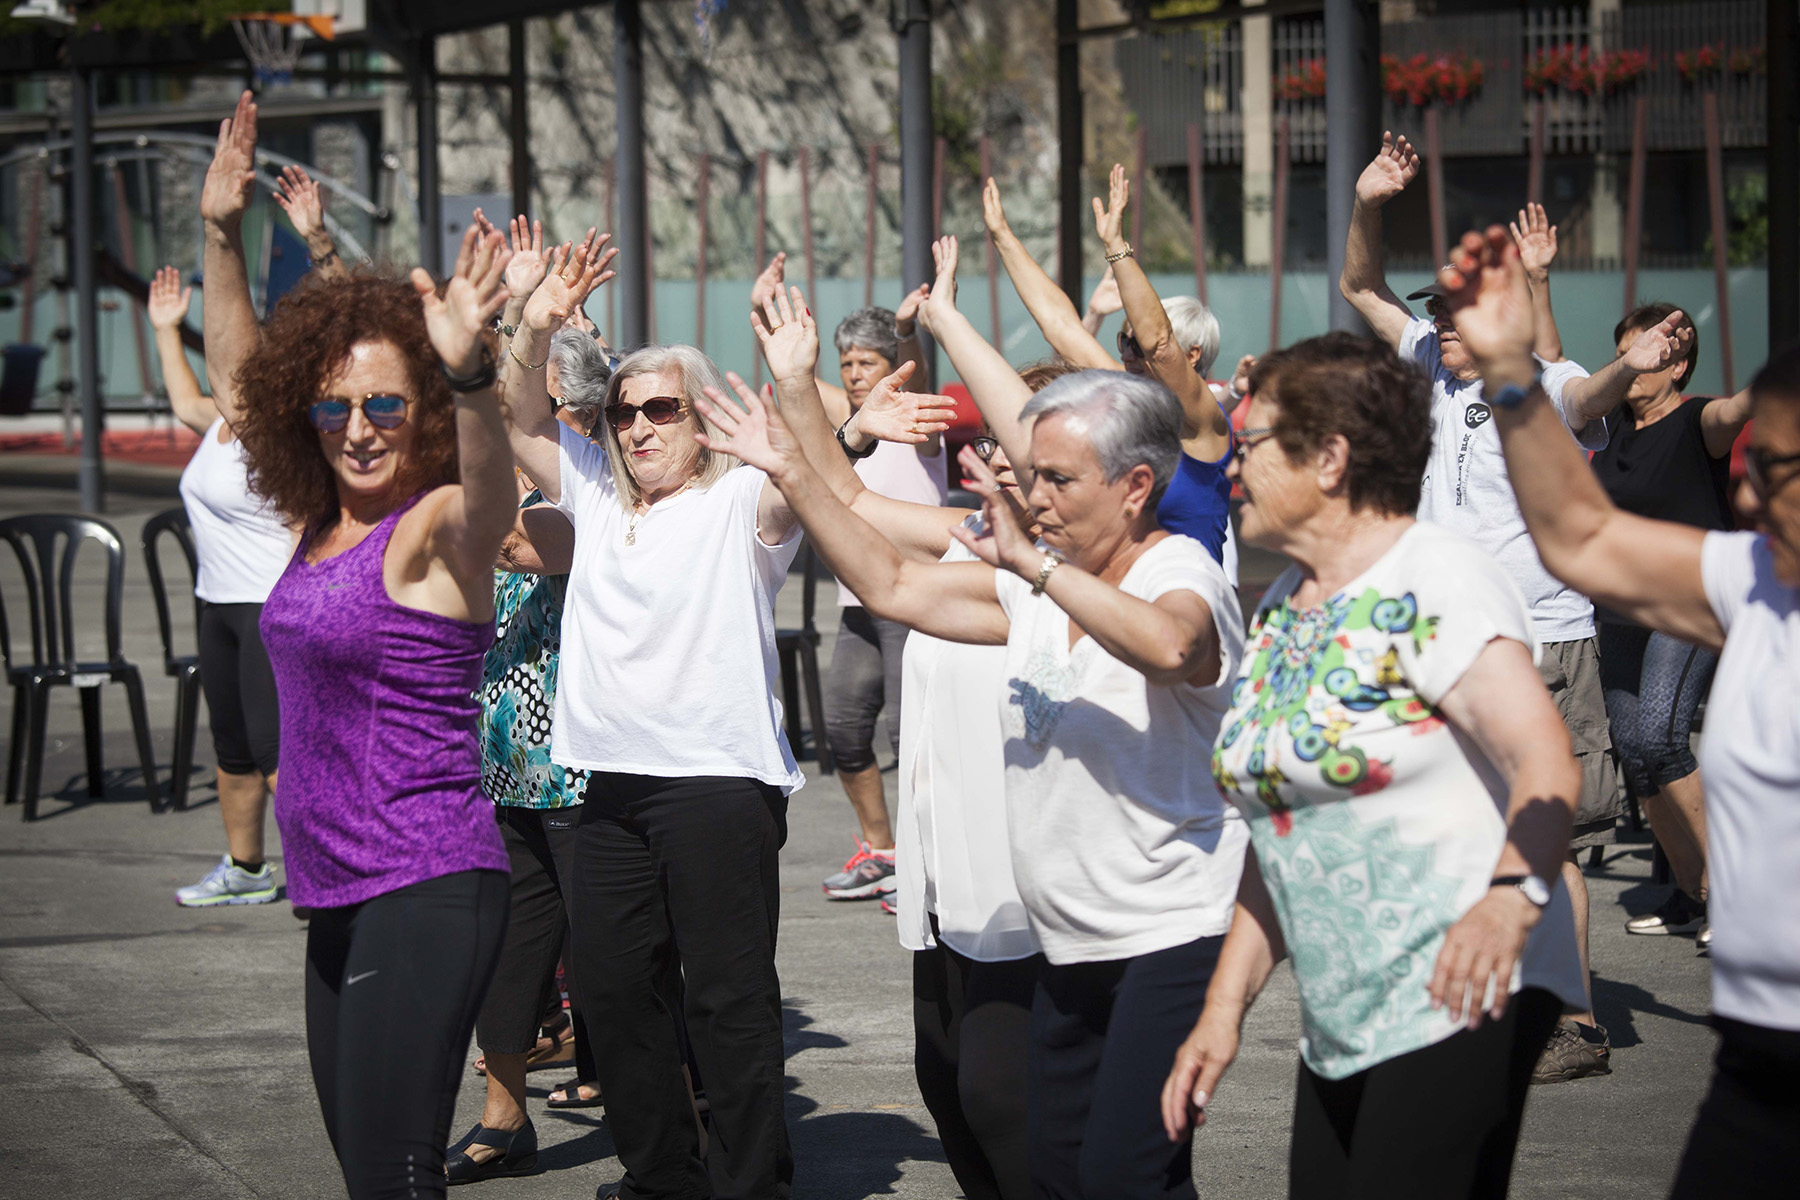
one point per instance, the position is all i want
(518, 693)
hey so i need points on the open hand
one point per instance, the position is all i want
(572, 277)
(1106, 299)
(907, 314)
(1662, 346)
(1199, 1064)
(528, 266)
(1478, 956)
(229, 179)
(910, 418)
(940, 301)
(993, 213)
(1396, 164)
(788, 335)
(168, 303)
(755, 433)
(1489, 300)
(1535, 237)
(1005, 539)
(1109, 219)
(475, 292)
(768, 284)
(299, 197)
(1240, 374)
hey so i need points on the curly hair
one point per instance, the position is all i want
(1339, 385)
(306, 341)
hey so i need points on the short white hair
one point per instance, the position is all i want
(1194, 325)
(1129, 420)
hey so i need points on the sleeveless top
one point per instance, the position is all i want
(380, 783)
(242, 546)
(1197, 504)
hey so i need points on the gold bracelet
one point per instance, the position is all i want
(1127, 252)
(523, 363)
(1052, 560)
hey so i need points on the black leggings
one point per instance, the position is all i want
(240, 689)
(1441, 1121)
(972, 1040)
(392, 988)
(1746, 1139)
(1653, 685)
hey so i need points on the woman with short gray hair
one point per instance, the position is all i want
(1119, 638)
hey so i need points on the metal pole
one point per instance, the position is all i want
(1534, 171)
(33, 222)
(1783, 73)
(519, 117)
(993, 263)
(1140, 153)
(1197, 206)
(762, 242)
(1634, 198)
(1279, 251)
(939, 149)
(92, 474)
(1715, 194)
(1434, 186)
(633, 283)
(1069, 148)
(431, 200)
(1352, 130)
(806, 223)
(913, 24)
(609, 217)
(869, 231)
(129, 258)
(702, 201)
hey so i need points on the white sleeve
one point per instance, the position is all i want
(1557, 377)
(1189, 567)
(1010, 590)
(1419, 345)
(581, 464)
(1728, 571)
(1462, 600)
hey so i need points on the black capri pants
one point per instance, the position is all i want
(240, 689)
(864, 675)
(1653, 684)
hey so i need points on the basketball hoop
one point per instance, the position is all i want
(272, 42)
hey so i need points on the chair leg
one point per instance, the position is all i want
(90, 738)
(815, 707)
(15, 753)
(187, 713)
(140, 724)
(34, 747)
(790, 703)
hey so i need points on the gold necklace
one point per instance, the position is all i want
(636, 516)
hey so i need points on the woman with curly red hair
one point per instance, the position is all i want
(368, 413)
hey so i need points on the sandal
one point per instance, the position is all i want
(554, 1049)
(573, 1096)
(519, 1155)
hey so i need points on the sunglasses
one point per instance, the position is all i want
(1128, 345)
(984, 446)
(384, 411)
(661, 410)
(1248, 440)
(1757, 465)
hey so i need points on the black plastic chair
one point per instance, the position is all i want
(50, 579)
(183, 668)
(799, 653)
(19, 680)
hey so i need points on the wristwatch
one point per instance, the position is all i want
(1513, 394)
(1532, 887)
(854, 455)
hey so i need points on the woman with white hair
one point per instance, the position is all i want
(1119, 636)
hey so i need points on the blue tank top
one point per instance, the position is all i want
(1197, 502)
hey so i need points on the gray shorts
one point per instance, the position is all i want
(1571, 670)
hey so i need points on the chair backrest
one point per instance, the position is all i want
(50, 578)
(809, 588)
(171, 522)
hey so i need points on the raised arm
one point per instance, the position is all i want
(955, 601)
(1102, 303)
(298, 195)
(527, 269)
(1202, 420)
(573, 274)
(1053, 311)
(1364, 281)
(1654, 349)
(771, 284)
(1647, 571)
(1722, 420)
(542, 542)
(1535, 237)
(167, 308)
(227, 315)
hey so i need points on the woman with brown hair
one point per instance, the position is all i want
(367, 411)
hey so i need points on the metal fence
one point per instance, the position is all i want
(1192, 76)
(1299, 55)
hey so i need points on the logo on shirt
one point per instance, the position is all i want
(1476, 415)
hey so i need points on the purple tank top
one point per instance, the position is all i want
(380, 783)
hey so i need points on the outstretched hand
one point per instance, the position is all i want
(768, 284)
(1661, 346)
(168, 303)
(1395, 165)
(1109, 218)
(788, 335)
(1005, 539)
(940, 300)
(755, 433)
(908, 312)
(993, 213)
(529, 265)
(475, 292)
(1489, 300)
(299, 197)
(574, 273)
(225, 194)
(910, 418)
(1535, 237)
(1106, 299)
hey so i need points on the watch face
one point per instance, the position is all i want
(1536, 890)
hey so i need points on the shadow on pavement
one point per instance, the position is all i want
(1617, 1004)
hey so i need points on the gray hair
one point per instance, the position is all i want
(1130, 421)
(697, 373)
(868, 329)
(582, 373)
(1194, 325)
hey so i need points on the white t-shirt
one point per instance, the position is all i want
(1377, 825)
(1467, 490)
(900, 472)
(951, 844)
(240, 544)
(668, 646)
(1121, 843)
(1750, 758)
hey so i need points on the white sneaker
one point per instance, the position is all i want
(228, 883)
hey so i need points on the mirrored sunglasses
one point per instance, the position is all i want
(384, 411)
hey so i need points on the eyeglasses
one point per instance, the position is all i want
(384, 411)
(984, 446)
(1248, 440)
(661, 410)
(1757, 464)
(1128, 345)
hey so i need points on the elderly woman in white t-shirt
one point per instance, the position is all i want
(1119, 637)
(1408, 787)
(1739, 594)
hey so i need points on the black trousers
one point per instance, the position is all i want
(392, 988)
(1746, 1139)
(1442, 1121)
(1103, 1035)
(541, 846)
(971, 1043)
(683, 871)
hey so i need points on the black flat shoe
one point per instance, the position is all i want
(519, 1155)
